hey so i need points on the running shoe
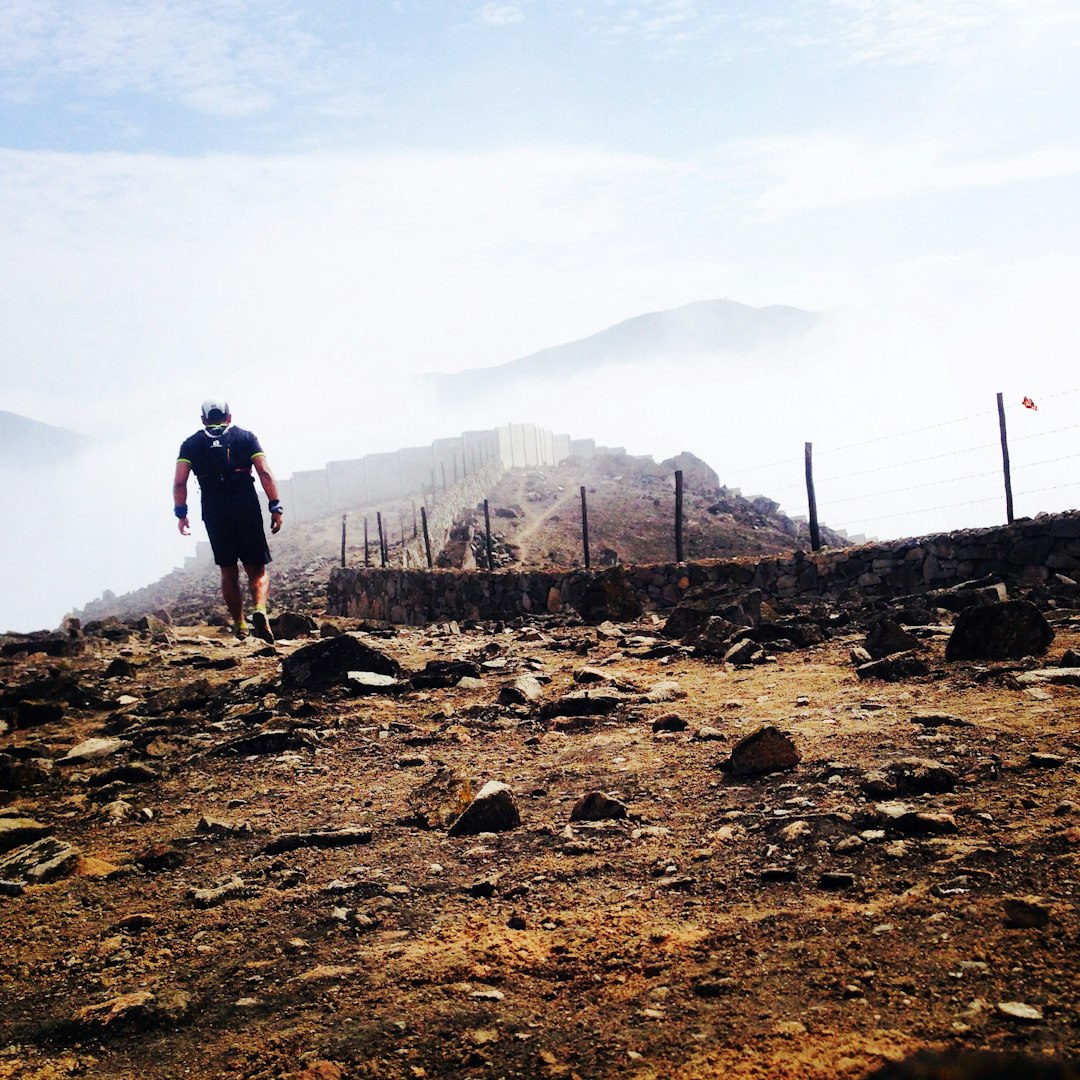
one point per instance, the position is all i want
(260, 627)
(240, 630)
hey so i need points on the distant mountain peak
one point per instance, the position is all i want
(695, 329)
(29, 442)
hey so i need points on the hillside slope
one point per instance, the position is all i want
(630, 502)
(536, 522)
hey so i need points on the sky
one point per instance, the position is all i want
(305, 207)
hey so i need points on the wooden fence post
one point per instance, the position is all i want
(585, 527)
(367, 549)
(343, 517)
(811, 498)
(487, 535)
(1005, 461)
(427, 539)
(382, 538)
(678, 515)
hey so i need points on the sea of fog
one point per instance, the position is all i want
(904, 444)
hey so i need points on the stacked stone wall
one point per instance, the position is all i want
(1026, 553)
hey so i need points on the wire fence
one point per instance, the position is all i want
(892, 484)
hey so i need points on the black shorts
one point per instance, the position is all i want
(237, 536)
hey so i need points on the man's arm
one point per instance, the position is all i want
(269, 485)
(179, 494)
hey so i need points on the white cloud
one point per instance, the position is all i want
(800, 174)
(222, 57)
(947, 31)
(501, 14)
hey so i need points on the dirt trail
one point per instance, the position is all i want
(535, 515)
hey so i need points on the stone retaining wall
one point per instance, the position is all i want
(1025, 553)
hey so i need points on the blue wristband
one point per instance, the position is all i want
(275, 507)
(180, 511)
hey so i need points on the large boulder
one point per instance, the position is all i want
(327, 663)
(293, 624)
(1002, 631)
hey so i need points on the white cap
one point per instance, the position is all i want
(215, 410)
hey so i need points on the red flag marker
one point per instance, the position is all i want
(1029, 404)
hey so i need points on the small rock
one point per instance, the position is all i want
(705, 733)
(127, 1008)
(795, 831)
(264, 742)
(596, 806)
(1026, 912)
(746, 651)
(124, 774)
(38, 863)
(671, 722)
(893, 668)
(485, 886)
(439, 800)
(34, 713)
(91, 749)
(789, 1029)
(293, 624)
(591, 675)
(327, 663)
(779, 873)
(766, 750)
(1046, 761)
(835, 880)
(493, 810)
(347, 836)
(219, 827)
(934, 720)
(363, 683)
(233, 889)
(1019, 1010)
(887, 637)
(849, 845)
(584, 703)
(524, 690)
(663, 692)
(444, 673)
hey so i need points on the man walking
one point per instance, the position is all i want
(222, 457)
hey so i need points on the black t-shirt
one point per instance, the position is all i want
(222, 465)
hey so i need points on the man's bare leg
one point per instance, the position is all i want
(232, 594)
(259, 585)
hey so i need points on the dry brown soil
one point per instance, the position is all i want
(695, 938)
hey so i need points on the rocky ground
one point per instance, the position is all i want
(512, 851)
